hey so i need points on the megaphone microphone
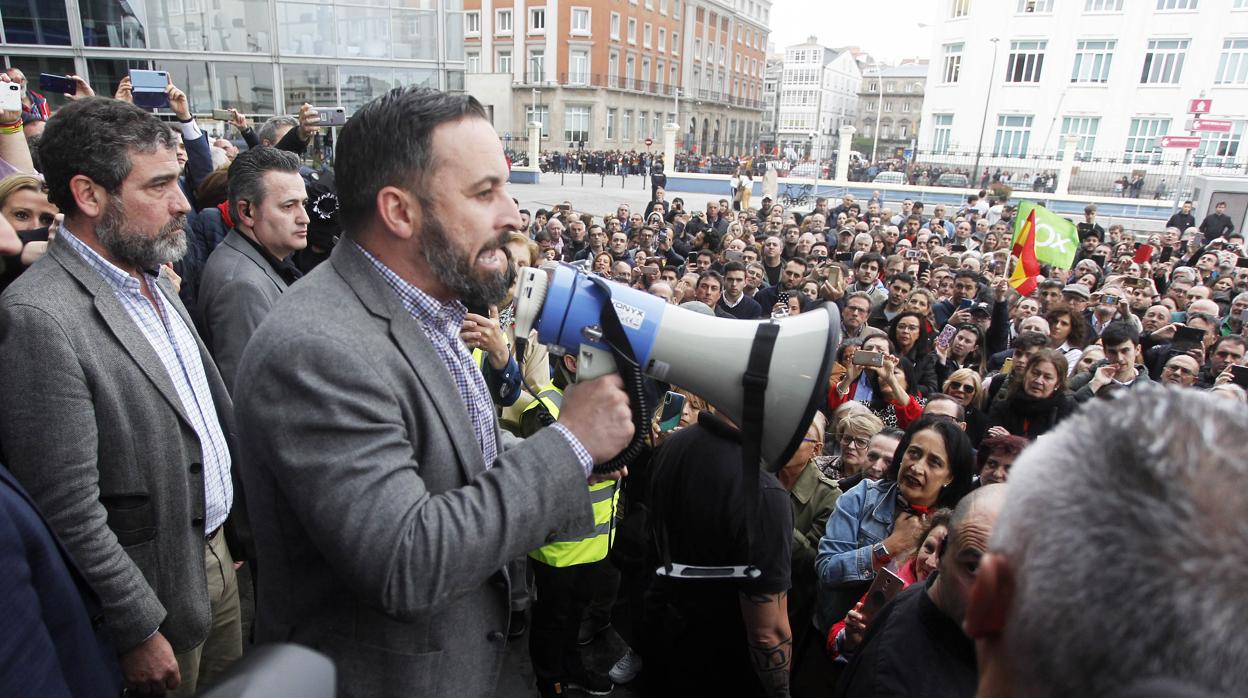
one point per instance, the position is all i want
(736, 365)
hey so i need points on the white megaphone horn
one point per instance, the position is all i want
(709, 356)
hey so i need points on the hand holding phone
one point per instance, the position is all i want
(60, 84)
(147, 88)
(873, 359)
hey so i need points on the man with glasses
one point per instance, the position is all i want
(854, 317)
(1181, 370)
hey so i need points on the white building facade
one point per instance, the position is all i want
(816, 95)
(1116, 75)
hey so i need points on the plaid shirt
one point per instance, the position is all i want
(174, 342)
(442, 323)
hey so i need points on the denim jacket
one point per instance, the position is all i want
(862, 518)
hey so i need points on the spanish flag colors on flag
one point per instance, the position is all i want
(1026, 266)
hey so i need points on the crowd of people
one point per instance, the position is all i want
(223, 368)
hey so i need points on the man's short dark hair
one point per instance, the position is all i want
(900, 276)
(733, 266)
(706, 253)
(711, 274)
(246, 174)
(916, 219)
(95, 137)
(1232, 338)
(525, 211)
(968, 274)
(1051, 283)
(868, 258)
(798, 260)
(389, 142)
(1030, 340)
(1118, 332)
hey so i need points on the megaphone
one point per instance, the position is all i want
(706, 355)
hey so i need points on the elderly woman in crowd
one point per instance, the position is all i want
(966, 386)
(877, 522)
(850, 437)
(1035, 404)
(886, 389)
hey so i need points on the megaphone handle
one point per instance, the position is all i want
(592, 362)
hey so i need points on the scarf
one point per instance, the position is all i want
(224, 208)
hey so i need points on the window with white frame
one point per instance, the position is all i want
(1220, 149)
(539, 113)
(472, 61)
(649, 4)
(660, 72)
(1092, 60)
(675, 43)
(615, 26)
(578, 66)
(537, 65)
(1083, 128)
(645, 73)
(537, 20)
(1163, 62)
(502, 22)
(697, 48)
(959, 8)
(942, 132)
(630, 72)
(502, 62)
(1026, 61)
(953, 63)
(642, 119)
(655, 128)
(626, 126)
(632, 30)
(1143, 140)
(662, 39)
(472, 24)
(1013, 135)
(1177, 4)
(646, 31)
(662, 7)
(676, 9)
(1233, 63)
(1102, 6)
(611, 123)
(613, 67)
(1035, 6)
(576, 120)
(580, 21)
(1240, 5)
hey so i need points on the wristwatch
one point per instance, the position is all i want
(880, 554)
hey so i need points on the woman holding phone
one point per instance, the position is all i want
(879, 521)
(964, 347)
(882, 381)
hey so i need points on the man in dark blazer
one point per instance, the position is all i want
(384, 500)
(114, 417)
(53, 644)
(251, 268)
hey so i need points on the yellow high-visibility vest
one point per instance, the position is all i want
(604, 496)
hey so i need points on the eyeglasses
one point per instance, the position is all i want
(962, 387)
(857, 441)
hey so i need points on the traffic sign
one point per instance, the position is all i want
(1211, 125)
(649, 141)
(1180, 141)
(1199, 106)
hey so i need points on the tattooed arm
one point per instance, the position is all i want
(770, 641)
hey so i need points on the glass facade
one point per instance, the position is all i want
(260, 56)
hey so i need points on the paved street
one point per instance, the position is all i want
(517, 679)
(597, 195)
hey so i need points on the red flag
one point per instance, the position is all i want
(1026, 267)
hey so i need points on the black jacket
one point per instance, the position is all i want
(1028, 418)
(1182, 221)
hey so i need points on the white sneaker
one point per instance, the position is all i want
(627, 668)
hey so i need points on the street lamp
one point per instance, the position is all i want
(979, 145)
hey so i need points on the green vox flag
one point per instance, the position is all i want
(1057, 239)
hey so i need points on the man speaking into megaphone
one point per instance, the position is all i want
(384, 501)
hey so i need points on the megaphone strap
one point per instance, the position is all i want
(753, 411)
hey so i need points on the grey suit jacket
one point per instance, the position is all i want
(92, 426)
(381, 533)
(237, 289)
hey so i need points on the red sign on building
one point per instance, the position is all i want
(1199, 106)
(1180, 141)
(1212, 125)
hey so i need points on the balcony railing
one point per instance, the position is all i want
(575, 80)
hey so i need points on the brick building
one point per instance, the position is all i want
(611, 73)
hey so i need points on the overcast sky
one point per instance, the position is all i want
(887, 29)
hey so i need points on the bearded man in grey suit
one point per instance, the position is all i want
(385, 504)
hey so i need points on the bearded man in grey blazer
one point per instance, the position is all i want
(384, 501)
(113, 415)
